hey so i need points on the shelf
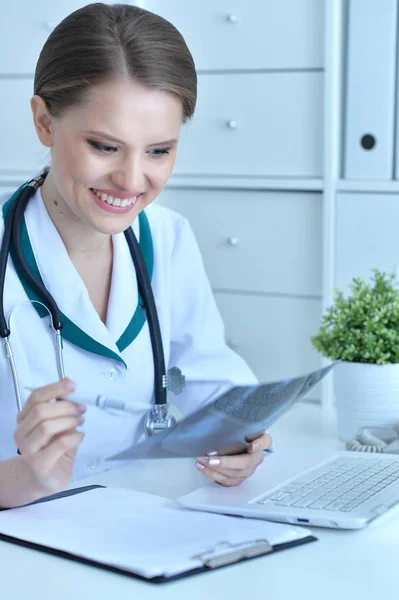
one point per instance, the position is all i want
(10, 179)
(249, 183)
(370, 186)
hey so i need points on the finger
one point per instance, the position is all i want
(47, 458)
(261, 443)
(234, 474)
(44, 412)
(45, 394)
(231, 464)
(237, 473)
(241, 473)
(221, 478)
(42, 435)
(62, 444)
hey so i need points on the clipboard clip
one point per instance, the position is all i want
(226, 553)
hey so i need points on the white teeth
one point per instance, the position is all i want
(113, 200)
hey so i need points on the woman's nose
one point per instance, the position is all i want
(130, 177)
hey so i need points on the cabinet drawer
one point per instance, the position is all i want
(261, 34)
(272, 334)
(259, 124)
(23, 152)
(286, 140)
(256, 241)
(25, 29)
(366, 234)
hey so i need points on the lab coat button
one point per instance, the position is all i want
(111, 374)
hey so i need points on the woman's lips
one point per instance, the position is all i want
(111, 208)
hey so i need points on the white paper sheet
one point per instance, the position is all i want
(138, 532)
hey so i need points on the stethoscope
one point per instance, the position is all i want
(158, 417)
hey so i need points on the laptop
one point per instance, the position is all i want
(348, 490)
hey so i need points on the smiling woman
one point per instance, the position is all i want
(112, 87)
(130, 162)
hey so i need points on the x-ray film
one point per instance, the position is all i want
(229, 423)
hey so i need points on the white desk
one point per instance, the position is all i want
(342, 565)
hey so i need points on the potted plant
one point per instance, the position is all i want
(362, 330)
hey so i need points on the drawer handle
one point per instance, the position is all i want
(231, 18)
(231, 124)
(50, 25)
(232, 241)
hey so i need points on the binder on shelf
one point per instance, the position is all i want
(370, 89)
(141, 535)
(396, 143)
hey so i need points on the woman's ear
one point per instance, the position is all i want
(42, 120)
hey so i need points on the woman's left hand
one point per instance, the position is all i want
(233, 470)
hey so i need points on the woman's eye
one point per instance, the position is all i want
(159, 152)
(102, 147)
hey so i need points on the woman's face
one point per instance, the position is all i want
(112, 155)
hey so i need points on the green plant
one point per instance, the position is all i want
(364, 327)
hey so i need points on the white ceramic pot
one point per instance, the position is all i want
(365, 395)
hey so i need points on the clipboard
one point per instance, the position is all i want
(223, 555)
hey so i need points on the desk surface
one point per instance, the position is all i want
(341, 565)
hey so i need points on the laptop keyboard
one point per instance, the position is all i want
(343, 486)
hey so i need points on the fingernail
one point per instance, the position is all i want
(255, 446)
(70, 385)
(82, 408)
(203, 459)
(214, 462)
(212, 453)
(81, 420)
(199, 466)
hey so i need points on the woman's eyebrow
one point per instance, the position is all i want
(174, 141)
(114, 139)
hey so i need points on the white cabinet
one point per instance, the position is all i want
(25, 28)
(259, 117)
(263, 254)
(265, 242)
(366, 235)
(260, 34)
(272, 333)
(23, 151)
(255, 124)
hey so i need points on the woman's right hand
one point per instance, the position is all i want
(46, 435)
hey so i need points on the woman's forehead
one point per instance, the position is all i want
(121, 106)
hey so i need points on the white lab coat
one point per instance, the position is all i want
(191, 328)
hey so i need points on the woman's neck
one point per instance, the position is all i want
(80, 239)
(90, 251)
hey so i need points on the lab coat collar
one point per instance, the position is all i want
(124, 291)
(81, 324)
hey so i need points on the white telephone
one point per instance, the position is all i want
(376, 439)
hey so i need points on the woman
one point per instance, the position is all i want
(112, 87)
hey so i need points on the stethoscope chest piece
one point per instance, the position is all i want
(158, 419)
